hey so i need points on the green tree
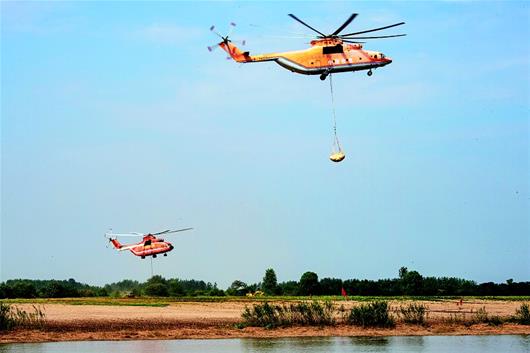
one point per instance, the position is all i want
(157, 289)
(270, 282)
(403, 271)
(288, 288)
(175, 288)
(157, 286)
(156, 279)
(237, 288)
(412, 283)
(54, 289)
(23, 289)
(216, 292)
(330, 286)
(309, 284)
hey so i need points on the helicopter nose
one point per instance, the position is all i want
(170, 247)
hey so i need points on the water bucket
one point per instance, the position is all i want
(337, 157)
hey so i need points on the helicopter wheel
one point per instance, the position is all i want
(165, 254)
(323, 77)
(154, 256)
(369, 73)
(143, 257)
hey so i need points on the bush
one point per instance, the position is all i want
(6, 321)
(303, 313)
(11, 318)
(481, 316)
(374, 314)
(522, 315)
(413, 313)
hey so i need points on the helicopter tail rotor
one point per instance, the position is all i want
(225, 40)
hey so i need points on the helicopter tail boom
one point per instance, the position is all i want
(244, 57)
(235, 53)
(116, 243)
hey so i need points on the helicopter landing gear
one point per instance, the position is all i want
(154, 256)
(165, 254)
(369, 73)
(143, 257)
(324, 75)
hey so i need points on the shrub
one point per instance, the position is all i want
(303, 313)
(413, 313)
(374, 314)
(457, 319)
(6, 321)
(14, 317)
(495, 321)
(263, 315)
(313, 314)
(522, 315)
(481, 316)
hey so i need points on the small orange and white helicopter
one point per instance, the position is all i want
(149, 246)
(329, 53)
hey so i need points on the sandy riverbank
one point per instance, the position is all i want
(217, 320)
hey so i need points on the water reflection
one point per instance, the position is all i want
(370, 344)
(309, 344)
(427, 344)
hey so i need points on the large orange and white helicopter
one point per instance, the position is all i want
(150, 245)
(329, 53)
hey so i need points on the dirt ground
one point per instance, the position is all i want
(217, 320)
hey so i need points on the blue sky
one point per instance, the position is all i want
(115, 115)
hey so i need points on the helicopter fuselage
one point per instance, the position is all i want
(325, 56)
(149, 246)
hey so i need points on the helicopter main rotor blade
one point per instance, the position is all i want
(213, 47)
(231, 27)
(305, 24)
(351, 41)
(348, 21)
(377, 37)
(212, 29)
(172, 231)
(373, 30)
(133, 234)
(162, 232)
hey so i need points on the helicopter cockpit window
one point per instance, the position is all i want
(382, 56)
(337, 49)
(147, 242)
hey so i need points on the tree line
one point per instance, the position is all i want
(407, 283)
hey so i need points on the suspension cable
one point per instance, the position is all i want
(336, 138)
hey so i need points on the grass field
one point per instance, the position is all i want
(165, 301)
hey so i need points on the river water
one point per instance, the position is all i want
(409, 344)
